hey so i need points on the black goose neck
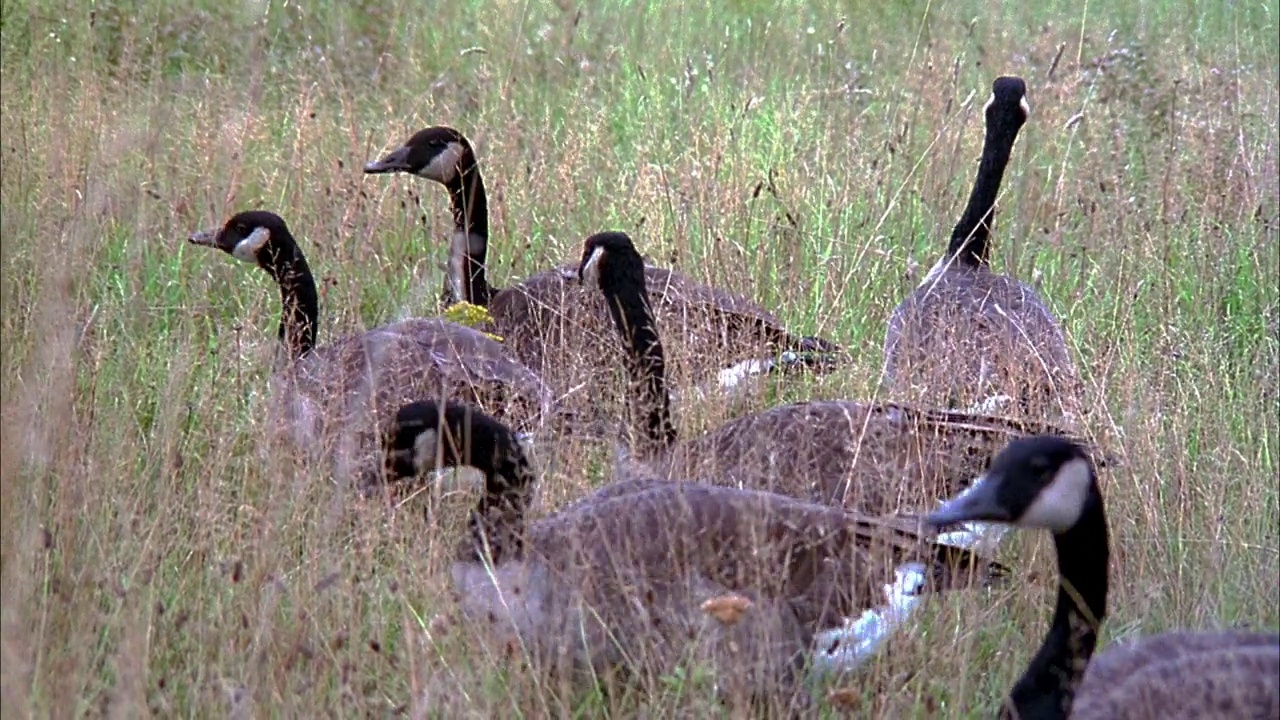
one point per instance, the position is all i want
(1047, 689)
(498, 521)
(628, 301)
(300, 302)
(970, 236)
(470, 206)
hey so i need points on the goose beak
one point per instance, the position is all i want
(979, 502)
(207, 238)
(395, 161)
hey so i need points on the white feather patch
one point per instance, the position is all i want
(730, 377)
(248, 248)
(845, 648)
(591, 268)
(444, 166)
(977, 537)
(1059, 504)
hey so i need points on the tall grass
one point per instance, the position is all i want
(157, 557)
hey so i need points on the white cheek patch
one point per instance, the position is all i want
(1026, 106)
(591, 268)
(248, 248)
(1059, 505)
(444, 167)
(424, 451)
(990, 101)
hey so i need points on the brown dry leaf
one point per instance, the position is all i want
(728, 609)
(845, 698)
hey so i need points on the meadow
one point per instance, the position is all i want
(158, 557)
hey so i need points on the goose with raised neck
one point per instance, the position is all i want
(351, 382)
(966, 336)
(1049, 482)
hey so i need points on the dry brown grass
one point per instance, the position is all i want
(157, 557)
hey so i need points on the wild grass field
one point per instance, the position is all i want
(157, 557)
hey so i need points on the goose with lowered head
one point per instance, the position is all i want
(877, 457)
(634, 586)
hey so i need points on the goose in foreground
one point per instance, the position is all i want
(543, 317)
(628, 583)
(349, 384)
(1049, 483)
(879, 458)
(967, 337)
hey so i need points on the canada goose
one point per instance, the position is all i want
(1048, 483)
(330, 386)
(876, 457)
(966, 335)
(636, 583)
(543, 317)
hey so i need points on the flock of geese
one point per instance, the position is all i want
(783, 542)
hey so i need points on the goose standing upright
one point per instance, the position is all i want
(624, 583)
(338, 392)
(723, 335)
(968, 337)
(876, 457)
(1049, 483)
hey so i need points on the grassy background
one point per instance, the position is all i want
(812, 155)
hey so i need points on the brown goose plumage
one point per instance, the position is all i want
(545, 317)
(620, 583)
(1049, 483)
(877, 457)
(966, 334)
(340, 393)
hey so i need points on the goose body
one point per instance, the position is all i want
(968, 335)
(877, 457)
(724, 337)
(620, 584)
(337, 394)
(1048, 482)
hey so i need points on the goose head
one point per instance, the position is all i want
(1007, 110)
(1041, 482)
(249, 236)
(437, 153)
(610, 260)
